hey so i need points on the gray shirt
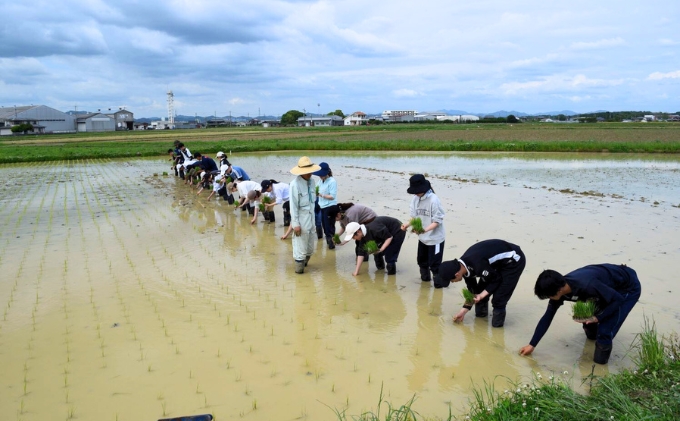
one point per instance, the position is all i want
(429, 209)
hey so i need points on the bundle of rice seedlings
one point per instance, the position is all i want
(266, 200)
(417, 225)
(371, 247)
(336, 239)
(583, 310)
(261, 207)
(165, 173)
(317, 190)
(468, 296)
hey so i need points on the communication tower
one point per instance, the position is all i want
(171, 109)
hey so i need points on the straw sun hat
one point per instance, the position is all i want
(304, 166)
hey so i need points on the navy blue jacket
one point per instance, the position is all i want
(604, 283)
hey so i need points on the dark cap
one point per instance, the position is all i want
(418, 184)
(265, 184)
(324, 171)
(447, 271)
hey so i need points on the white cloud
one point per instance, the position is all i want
(660, 76)
(594, 45)
(406, 93)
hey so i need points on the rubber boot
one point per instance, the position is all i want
(482, 309)
(272, 218)
(319, 232)
(307, 260)
(602, 353)
(331, 244)
(498, 318)
(379, 261)
(391, 268)
(590, 330)
(265, 215)
(300, 266)
(425, 274)
(286, 219)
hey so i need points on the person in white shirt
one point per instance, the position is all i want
(280, 195)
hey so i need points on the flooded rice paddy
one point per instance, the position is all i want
(126, 297)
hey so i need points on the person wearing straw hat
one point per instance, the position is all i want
(302, 196)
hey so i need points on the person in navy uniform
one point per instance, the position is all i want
(615, 289)
(498, 265)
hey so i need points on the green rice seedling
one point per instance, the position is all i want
(266, 200)
(417, 225)
(261, 207)
(583, 310)
(336, 239)
(317, 190)
(371, 247)
(468, 296)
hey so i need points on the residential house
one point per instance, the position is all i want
(357, 118)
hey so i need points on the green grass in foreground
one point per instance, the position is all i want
(649, 392)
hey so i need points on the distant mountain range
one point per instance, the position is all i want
(503, 113)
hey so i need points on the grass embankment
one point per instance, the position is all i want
(645, 138)
(649, 392)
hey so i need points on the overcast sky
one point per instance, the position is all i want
(241, 56)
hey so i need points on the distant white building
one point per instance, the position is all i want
(429, 116)
(95, 122)
(649, 118)
(356, 119)
(458, 118)
(399, 115)
(329, 120)
(44, 119)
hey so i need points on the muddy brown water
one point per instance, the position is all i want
(126, 297)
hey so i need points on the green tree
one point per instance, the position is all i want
(22, 128)
(512, 119)
(290, 118)
(339, 113)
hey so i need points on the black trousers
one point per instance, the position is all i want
(428, 258)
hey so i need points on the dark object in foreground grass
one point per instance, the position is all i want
(417, 225)
(468, 296)
(583, 310)
(336, 239)
(371, 247)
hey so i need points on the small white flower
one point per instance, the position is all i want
(635, 372)
(551, 377)
(565, 372)
(536, 409)
(646, 371)
(611, 418)
(524, 404)
(519, 390)
(538, 391)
